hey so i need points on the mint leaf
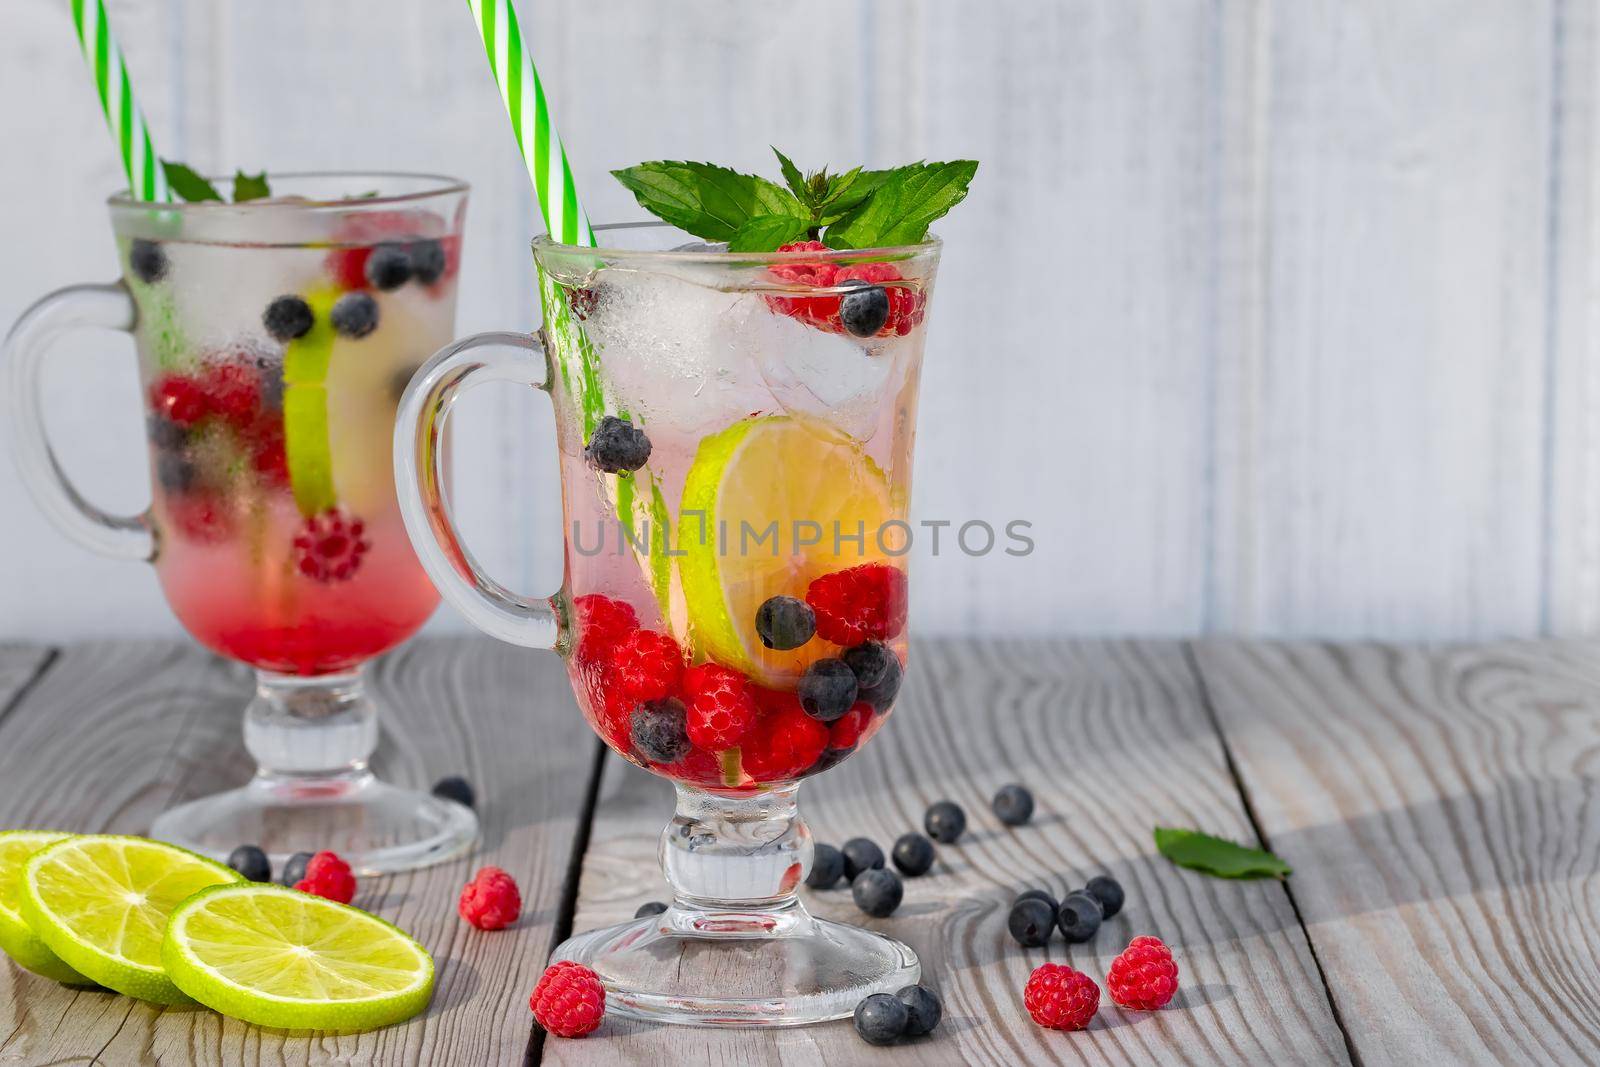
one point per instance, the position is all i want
(708, 201)
(764, 233)
(250, 186)
(900, 208)
(1214, 855)
(187, 184)
(792, 176)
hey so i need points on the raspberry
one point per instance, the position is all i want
(202, 517)
(905, 305)
(721, 706)
(647, 664)
(182, 401)
(569, 1000)
(234, 392)
(859, 604)
(1144, 976)
(490, 901)
(329, 546)
(784, 742)
(602, 622)
(1061, 998)
(268, 454)
(699, 767)
(847, 729)
(328, 876)
(358, 233)
(822, 312)
(612, 710)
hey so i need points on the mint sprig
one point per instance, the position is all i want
(195, 187)
(854, 209)
(1217, 856)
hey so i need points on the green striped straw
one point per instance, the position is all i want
(146, 179)
(542, 153)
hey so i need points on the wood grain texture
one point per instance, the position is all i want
(1112, 737)
(1439, 810)
(114, 733)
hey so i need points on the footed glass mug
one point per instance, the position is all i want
(735, 435)
(275, 337)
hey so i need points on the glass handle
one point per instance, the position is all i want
(107, 307)
(420, 481)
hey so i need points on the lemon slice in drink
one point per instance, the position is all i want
(100, 902)
(277, 957)
(760, 484)
(16, 936)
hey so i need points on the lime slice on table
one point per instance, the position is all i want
(101, 902)
(754, 473)
(276, 957)
(16, 936)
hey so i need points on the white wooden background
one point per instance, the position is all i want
(1272, 317)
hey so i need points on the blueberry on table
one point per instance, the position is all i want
(147, 260)
(1079, 916)
(427, 260)
(872, 662)
(877, 892)
(881, 1019)
(354, 315)
(913, 854)
(616, 447)
(865, 309)
(827, 867)
(785, 622)
(861, 854)
(1108, 891)
(294, 869)
(388, 267)
(1013, 805)
(287, 318)
(251, 862)
(923, 1009)
(945, 821)
(827, 689)
(661, 730)
(456, 788)
(1038, 894)
(1031, 922)
(652, 907)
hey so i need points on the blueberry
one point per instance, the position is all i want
(287, 318)
(427, 260)
(660, 730)
(1079, 916)
(354, 315)
(294, 869)
(1038, 894)
(877, 892)
(871, 663)
(923, 1010)
(945, 821)
(827, 689)
(456, 788)
(865, 309)
(388, 267)
(251, 862)
(653, 907)
(1108, 892)
(164, 433)
(1031, 922)
(860, 854)
(147, 260)
(616, 446)
(176, 474)
(882, 695)
(913, 854)
(881, 1019)
(827, 867)
(784, 622)
(1013, 805)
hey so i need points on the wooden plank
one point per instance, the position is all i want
(1112, 737)
(1438, 809)
(116, 732)
(20, 667)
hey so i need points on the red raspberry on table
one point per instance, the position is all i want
(1061, 998)
(601, 622)
(329, 546)
(569, 1000)
(847, 729)
(234, 392)
(647, 664)
(721, 706)
(1144, 976)
(179, 399)
(785, 742)
(864, 603)
(491, 900)
(328, 876)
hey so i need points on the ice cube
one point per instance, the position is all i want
(819, 374)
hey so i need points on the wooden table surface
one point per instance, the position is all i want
(1440, 807)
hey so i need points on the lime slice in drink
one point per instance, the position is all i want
(101, 902)
(305, 408)
(275, 957)
(16, 936)
(764, 486)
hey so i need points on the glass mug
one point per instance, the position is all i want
(274, 338)
(735, 436)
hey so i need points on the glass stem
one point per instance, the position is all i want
(736, 854)
(322, 727)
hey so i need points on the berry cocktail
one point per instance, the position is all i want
(275, 337)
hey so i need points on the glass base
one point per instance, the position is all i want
(375, 827)
(769, 968)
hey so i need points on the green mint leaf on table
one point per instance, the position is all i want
(1214, 855)
(899, 210)
(708, 201)
(766, 233)
(187, 184)
(250, 186)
